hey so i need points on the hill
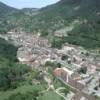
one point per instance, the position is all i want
(66, 11)
(5, 10)
(81, 16)
(29, 11)
(11, 18)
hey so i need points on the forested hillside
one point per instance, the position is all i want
(6, 10)
(10, 71)
(84, 15)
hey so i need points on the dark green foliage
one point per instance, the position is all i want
(26, 92)
(5, 10)
(53, 64)
(11, 73)
(44, 33)
(64, 57)
(83, 70)
(56, 42)
(57, 16)
(19, 96)
(27, 96)
(7, 50)
(3, 30)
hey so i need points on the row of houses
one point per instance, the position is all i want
(74, 80)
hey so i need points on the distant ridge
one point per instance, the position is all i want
(5, 9)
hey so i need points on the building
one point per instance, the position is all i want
(73, 79)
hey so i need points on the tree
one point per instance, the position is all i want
(83, 70)
(11, 73)
(56, 43)
(20, 96)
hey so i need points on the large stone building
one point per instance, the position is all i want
(75, 81)
(69, 77)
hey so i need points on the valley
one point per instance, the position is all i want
(74, 62)
(50, 53)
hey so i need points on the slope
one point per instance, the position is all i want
(5, 10)
(83, 15)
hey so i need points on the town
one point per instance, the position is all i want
(79, 68)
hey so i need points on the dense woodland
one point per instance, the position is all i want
(11, 73)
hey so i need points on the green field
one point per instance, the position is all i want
(22, 89)
(50, 96)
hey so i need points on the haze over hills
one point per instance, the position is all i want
(4, 9)
(82, 15)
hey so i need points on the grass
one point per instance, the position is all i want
(22, 89)
(50, 95)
